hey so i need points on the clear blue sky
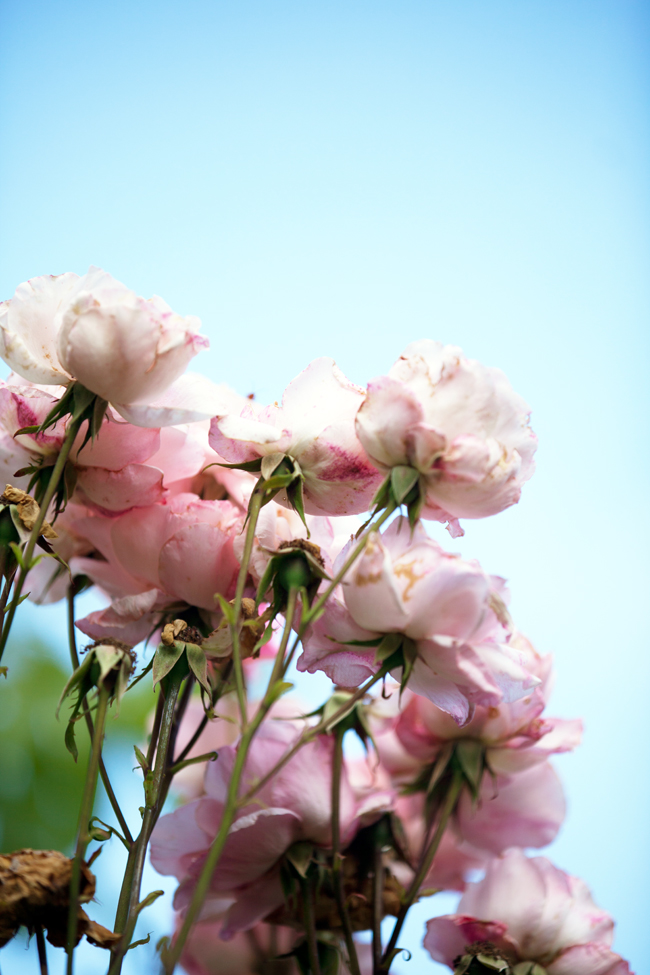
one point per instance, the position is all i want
(340, 178)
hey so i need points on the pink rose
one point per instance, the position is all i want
(314, 426)
(95, 330)
(452, 611)
(530, 911)
(295, 805)
(458, 423)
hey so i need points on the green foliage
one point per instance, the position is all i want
(40, 784)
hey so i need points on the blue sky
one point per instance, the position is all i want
(340, 178)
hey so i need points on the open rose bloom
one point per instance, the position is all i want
(237, 540)
(455, 421)
(526, 910)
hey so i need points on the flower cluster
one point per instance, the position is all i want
(228, 534)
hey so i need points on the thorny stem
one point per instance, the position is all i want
(153, 795)
(59, 467)
(453, 793)
(337, 859)
(173, 953)
(42, 953)
(74, 657)
(310, 925)
(84, 817)
(253, 514)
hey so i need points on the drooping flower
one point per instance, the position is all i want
(93, 329)
(294, 806)
(451, 611)
(458, 423)
(315, 427)
(527, 910)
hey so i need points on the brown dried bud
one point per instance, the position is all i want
(219, 642)
(28, 510)
(171, 631)
(35, 892)
(304, 546)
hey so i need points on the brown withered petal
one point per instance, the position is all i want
(34, 892)
(28, 510)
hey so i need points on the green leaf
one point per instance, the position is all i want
(402, 481)
(141, 759)
(149, 900)
(70, 741)
(165, 658)
(142, 941)
(252, 466)
(198, 664)
(227, 609)
(143, 674)
(295, 494)
(4, 671)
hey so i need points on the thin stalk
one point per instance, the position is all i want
(216, 694)
(155, 730)
(171, 956)
(314, 731)
(254, 509)
(42, 953)
(310, 925)
(59, 467)
(85, 813)
(74, 657)
(377, 907)
(349, 562)
(453, 793)
(337, 859)
(152, 810)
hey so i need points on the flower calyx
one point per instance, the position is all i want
(253, 631)
(296, 565)
(181, 647)
(483, 958)
(107, 665)
(278, 472)
(403, 486)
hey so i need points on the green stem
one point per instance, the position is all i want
(171, 689)
(310, 925)
(337, 859)
(453, 793)
(172, 955)
(314, 610)
(254, 509)
(59, 467)
(74, 657)
(84, 818)
(314, 731)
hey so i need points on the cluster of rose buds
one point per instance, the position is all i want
(242, 539)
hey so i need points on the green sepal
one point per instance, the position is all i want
(198, 664)
(300, 856)
(277, 690)
(402, 482)
(388, 645)
(101, 835)
(165, 658)
(252, 466)
(470, 756)
(528, 968)
(4, 671)
(141, 941)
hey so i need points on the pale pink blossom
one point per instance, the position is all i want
(532, 912)
(458, 423)
(205, 953)
(95, 330)
(156, 556)
(451, 609)
(314, 426)
(295, 805)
